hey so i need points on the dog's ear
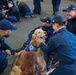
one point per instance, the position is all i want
(33, 42)
(33, 36)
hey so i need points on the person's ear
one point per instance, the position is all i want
(5, 31)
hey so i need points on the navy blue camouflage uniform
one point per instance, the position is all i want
(14, 14)
(3, 54)
(64, 44)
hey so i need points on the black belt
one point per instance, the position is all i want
(66, 62)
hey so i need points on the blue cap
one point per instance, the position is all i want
(46, 19)
(7, 25)
(69, 8)
(58, 18)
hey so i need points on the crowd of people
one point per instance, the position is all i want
(60, 33)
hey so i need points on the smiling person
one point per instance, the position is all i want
(63, 43)
(71, 18)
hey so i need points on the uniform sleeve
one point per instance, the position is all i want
(49, 48)
(3, 56)
(5, 46)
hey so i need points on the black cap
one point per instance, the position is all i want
(7, 25)
(58, 18)
(69, 8)
(46, 19)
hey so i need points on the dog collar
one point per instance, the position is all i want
(31, 48)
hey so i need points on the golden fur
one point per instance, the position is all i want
(16, 69)
(29, 63)
(25, 59)
(33, 64)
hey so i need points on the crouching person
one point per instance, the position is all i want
(13, 13)
(24, 10)
(64, 44)
(6, 28)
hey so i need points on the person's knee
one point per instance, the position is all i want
(3, 65)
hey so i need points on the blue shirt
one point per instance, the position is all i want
(64, 43)
(3, 47)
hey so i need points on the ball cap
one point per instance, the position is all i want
(7, 25)
(69, 8)
(58, 18)
(46, 19)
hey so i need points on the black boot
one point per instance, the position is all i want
(55, 13)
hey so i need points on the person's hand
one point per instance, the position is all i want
(8, 52)
(6, 16)
(38, 40)
(4, 11)
(17, 54)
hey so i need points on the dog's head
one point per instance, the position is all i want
(37, 33)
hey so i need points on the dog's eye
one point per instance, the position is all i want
(39, 32)
(41, 37)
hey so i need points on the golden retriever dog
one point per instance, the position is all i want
(38, 33)
(19, 66)
(32, 64)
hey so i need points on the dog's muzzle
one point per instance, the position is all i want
(44, 37)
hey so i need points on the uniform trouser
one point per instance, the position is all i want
(56, 5)
(37, 8)
(3, 65)
(63, 69)
(25, 14)
(12, 19)
(56, 8)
